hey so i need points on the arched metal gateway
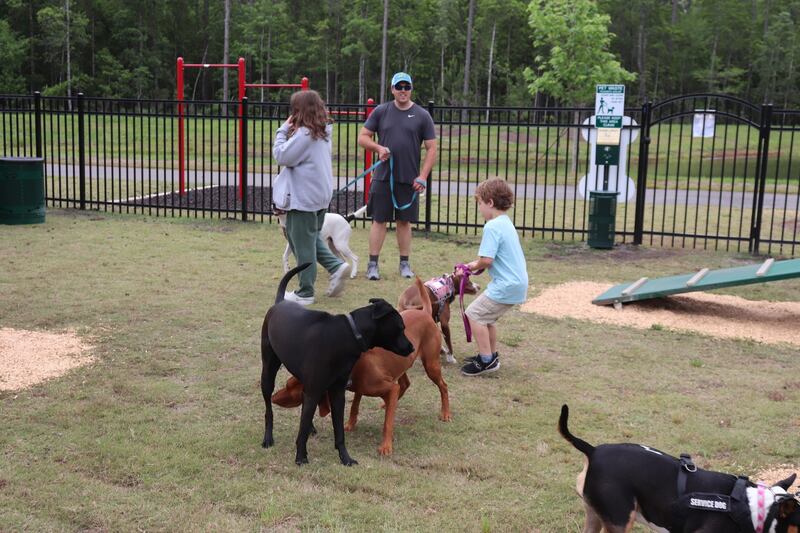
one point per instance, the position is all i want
(716, 172)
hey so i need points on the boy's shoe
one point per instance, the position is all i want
(477, 357)
(302, 300)
(372, 271)
(339, 276)
(405, 270)
(476, 368)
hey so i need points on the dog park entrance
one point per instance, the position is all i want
(707, 171)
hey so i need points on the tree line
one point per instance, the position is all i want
(473, 52)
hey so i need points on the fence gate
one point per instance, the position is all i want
(700, 172)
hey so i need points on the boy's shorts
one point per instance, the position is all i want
(486, 311)
(380, 206)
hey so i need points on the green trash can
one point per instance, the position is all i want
(22, 190)
(602, 216)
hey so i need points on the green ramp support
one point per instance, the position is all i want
(703, 280)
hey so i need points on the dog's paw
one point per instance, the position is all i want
(385, 449)
(349, 461)
(267, 442)
(449, 358)
(349, 427)
(445, 417)
(300, 461)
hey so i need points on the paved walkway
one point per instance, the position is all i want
(199, 178)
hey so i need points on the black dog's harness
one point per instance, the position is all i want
(735, 503)
(357, 334)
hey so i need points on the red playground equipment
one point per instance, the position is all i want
(240, 67)
(243, 86)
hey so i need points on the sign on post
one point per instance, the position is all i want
(609, 107)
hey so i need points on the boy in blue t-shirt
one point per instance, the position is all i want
(501, 253)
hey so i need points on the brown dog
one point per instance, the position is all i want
(382, 373)
(441, 292)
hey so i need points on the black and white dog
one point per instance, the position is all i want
(626, 483)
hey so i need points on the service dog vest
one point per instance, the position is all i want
(735, 504)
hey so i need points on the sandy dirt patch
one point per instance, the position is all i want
(717, 315)
(28, 357)
(773, 474)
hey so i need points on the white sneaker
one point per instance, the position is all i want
(336, 285)
(302, 300)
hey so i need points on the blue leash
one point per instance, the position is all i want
(370, 169)
(391, 188)
(391, 183)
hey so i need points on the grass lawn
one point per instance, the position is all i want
(163, 432)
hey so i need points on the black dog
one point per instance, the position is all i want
(626, 483)
(320, 350)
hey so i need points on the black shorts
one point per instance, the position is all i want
(381, 208)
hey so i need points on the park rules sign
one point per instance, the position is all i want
(609, 107)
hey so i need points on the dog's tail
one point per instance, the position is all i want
(583, 446)
(424, 296)
(285, 281)
(354, 215)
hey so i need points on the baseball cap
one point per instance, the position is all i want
(401, 76)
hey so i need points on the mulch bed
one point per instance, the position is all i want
(226, 198)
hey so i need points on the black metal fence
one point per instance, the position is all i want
(699, 171)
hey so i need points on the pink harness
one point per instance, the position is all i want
(761, 509)
(442, 289)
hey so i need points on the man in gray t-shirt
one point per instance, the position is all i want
(402, 127)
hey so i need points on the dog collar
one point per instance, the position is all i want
(357, 334)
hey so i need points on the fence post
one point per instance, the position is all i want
(641, 178)
(81, 152)
(367, 153)
(37, 107)
(761, 177)
(243, 162)
(429, 188)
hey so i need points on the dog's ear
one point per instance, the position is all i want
(786, 483)
(787, 507)
(380, 308)
(291, 395)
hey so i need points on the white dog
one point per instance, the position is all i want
(335, 232)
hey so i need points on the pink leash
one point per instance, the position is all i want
(465, 274)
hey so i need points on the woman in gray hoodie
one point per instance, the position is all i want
(303, 189)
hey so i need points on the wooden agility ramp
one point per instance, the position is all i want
(703, 280)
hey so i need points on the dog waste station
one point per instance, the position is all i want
(609, 108)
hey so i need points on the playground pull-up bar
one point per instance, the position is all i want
(242, 86)
(239, 66)
(242, 92)
(303, 85)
